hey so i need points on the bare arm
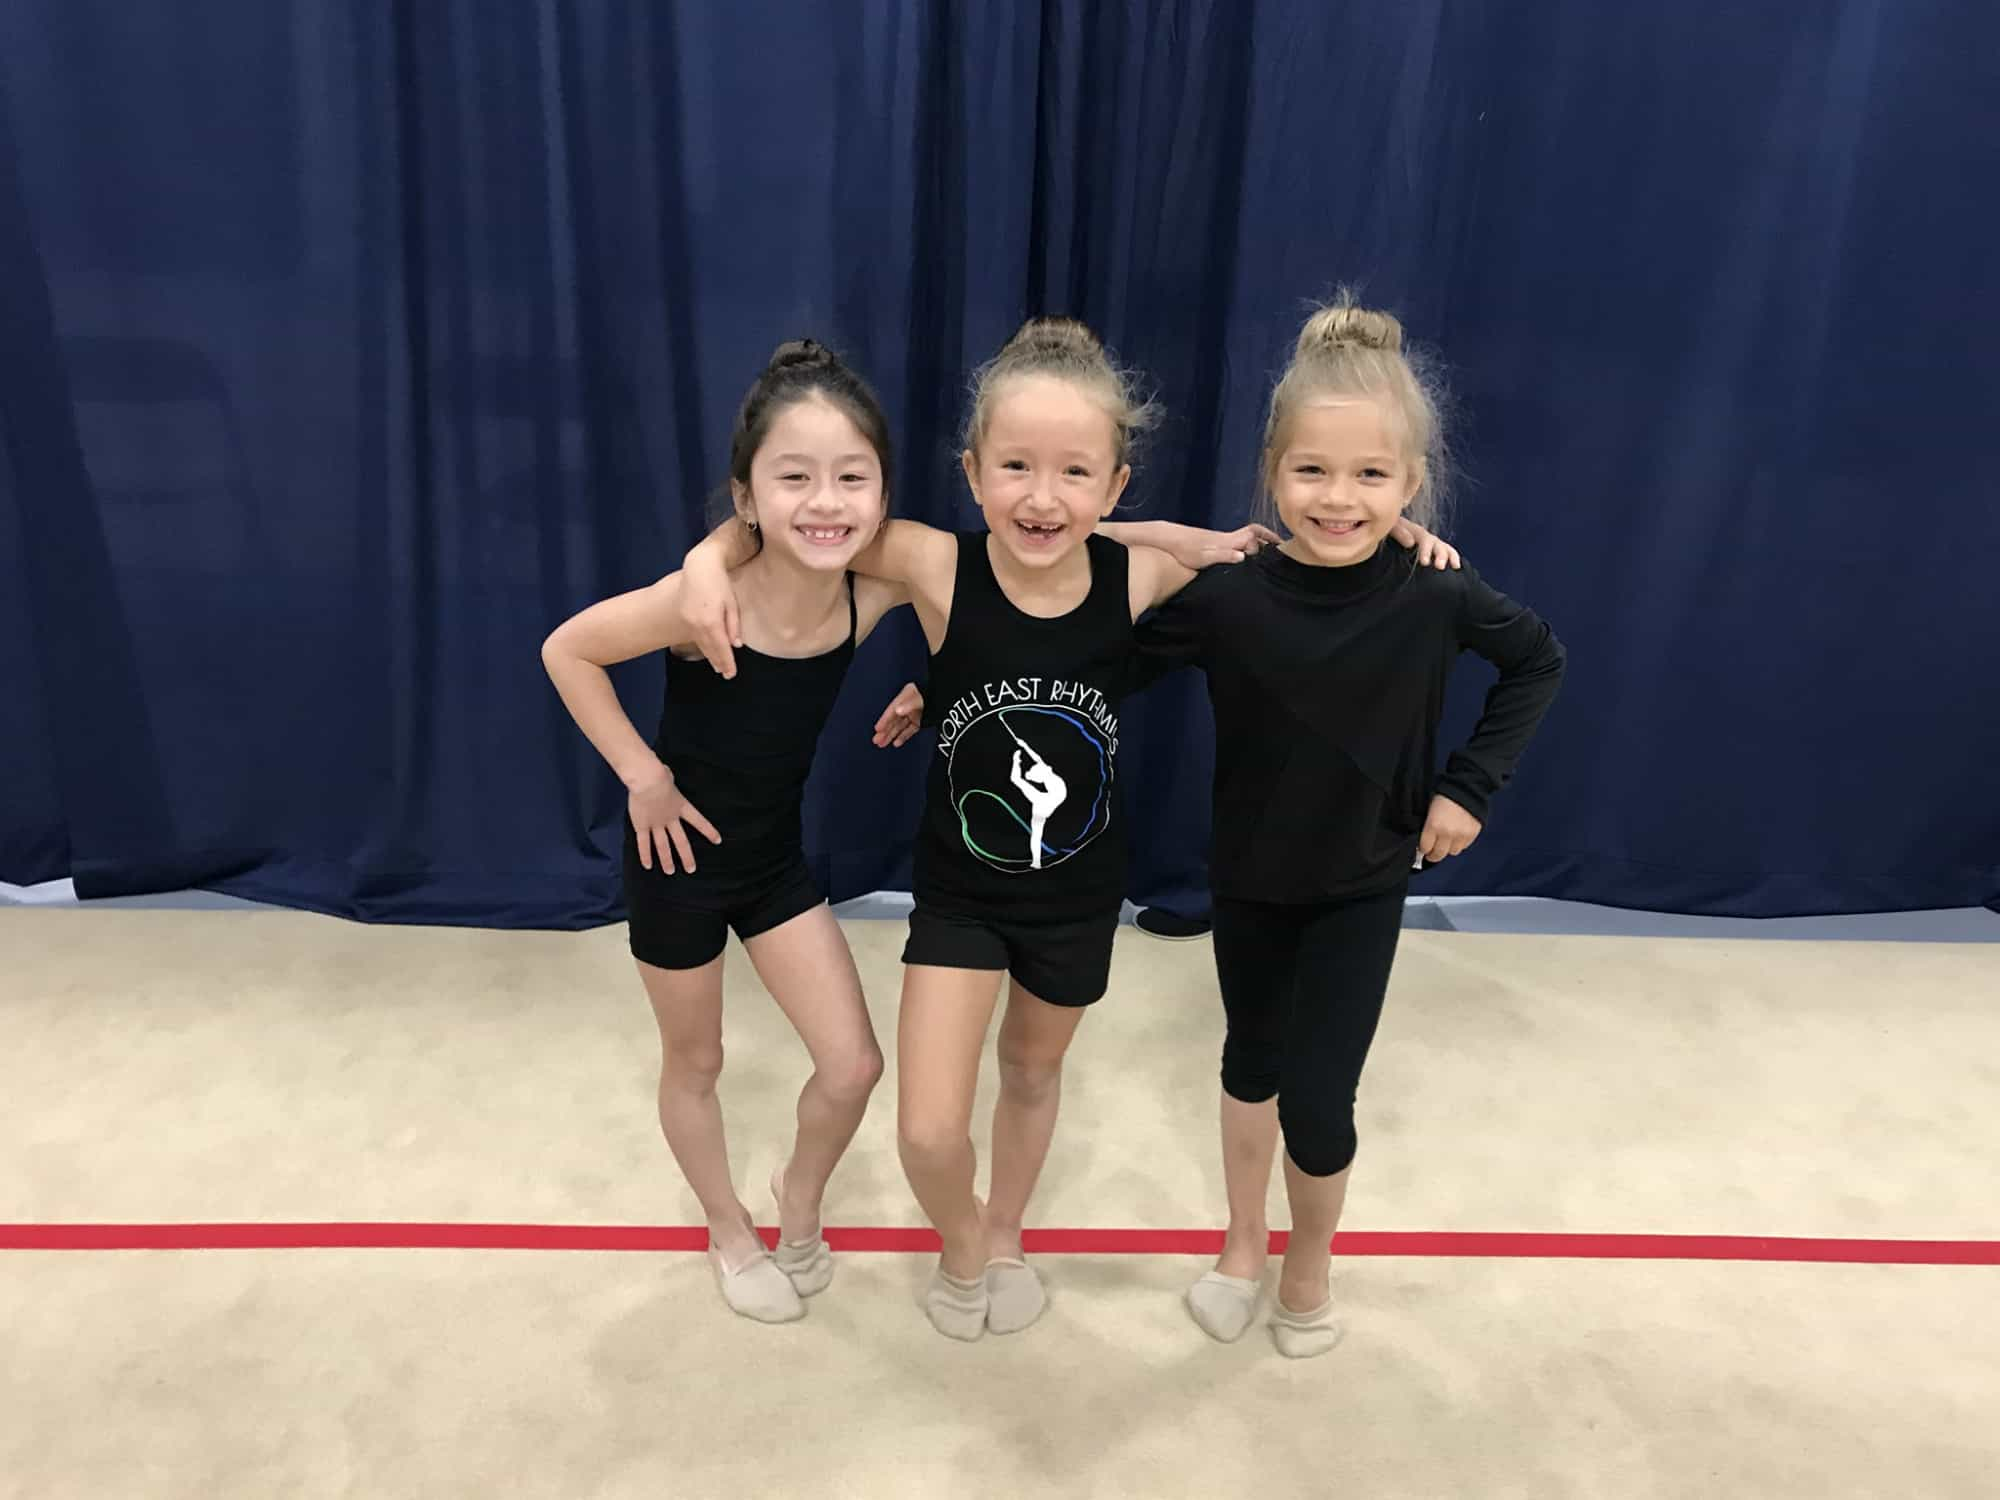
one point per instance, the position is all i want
(613, 630)
(920, 559)
(1152, 578)
(575, 656)
(1166, 555)
(873, 599)
(909, 553)
(1193, 547)
(1196, 548)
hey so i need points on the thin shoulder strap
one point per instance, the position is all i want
(1110, 568)
(973, 577)
(853, 613)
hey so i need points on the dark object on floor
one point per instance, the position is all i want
(1157, 921)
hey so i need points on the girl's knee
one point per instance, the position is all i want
(1320, 1142)
(853, 1075)
(931, 1131)
(1029, 1070)
(1324, 1158)
(692, 1067)
(928, 1142)
(1249, 1074)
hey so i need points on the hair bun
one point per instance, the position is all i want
(1342, 325)
(1060, 336)
(796, 354)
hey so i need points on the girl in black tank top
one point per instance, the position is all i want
(712, 840)
(1021, 815)
(741, 748)
(1020, 866)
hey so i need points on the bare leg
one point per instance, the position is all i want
(939, 1035)
(1034, 1036)
(806, 965)
(1249, 1142)
(1224, 1300)
(1316, 1204)
(687, 1006)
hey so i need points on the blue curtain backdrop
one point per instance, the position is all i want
(344, 349)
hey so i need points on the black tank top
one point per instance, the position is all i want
(1020, 819)
(740, 748)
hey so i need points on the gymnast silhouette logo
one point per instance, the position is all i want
(1044, 790)
(1031, 784)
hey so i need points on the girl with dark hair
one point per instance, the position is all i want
(713, 840)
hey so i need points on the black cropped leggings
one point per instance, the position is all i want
(1302, 987)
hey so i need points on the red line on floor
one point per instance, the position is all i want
(1357, 1242)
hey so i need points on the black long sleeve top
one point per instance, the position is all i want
(1328, 684)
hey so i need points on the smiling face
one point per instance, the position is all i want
(1046, 469)
(815, 490)
(1342, 477)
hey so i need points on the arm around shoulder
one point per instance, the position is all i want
(909, 553)
(1154, 578)
(874, 598)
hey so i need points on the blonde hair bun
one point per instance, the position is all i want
(1342, 325)
(1067, 349)
(1055, 337)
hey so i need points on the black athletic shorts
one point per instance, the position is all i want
(682, 921)
(1064, 963)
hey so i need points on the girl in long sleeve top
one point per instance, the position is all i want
(1327, 660)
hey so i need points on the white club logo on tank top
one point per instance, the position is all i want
(1031, 762)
